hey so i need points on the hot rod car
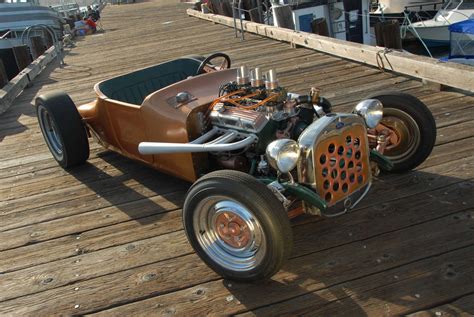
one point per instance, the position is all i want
(257, 155)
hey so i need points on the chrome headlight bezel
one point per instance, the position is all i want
(371, 110)
(283, 155)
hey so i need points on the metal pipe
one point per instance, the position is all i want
(52, 33)
(161, 148)
(241, 22)
(229, 136)
(234, 12)
(206, 136)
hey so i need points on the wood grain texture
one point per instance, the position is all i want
(107, 238)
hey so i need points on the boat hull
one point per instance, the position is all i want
(433, 36)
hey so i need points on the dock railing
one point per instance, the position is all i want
(425, 68)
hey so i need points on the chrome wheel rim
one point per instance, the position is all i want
(229, 233)
(50, 133)
(407, 131)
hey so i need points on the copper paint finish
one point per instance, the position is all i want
(342, 164)
(233, 230)
(121, 126)
(293, 213)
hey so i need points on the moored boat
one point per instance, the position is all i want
(16, 17)
(395, 9)
(435, 32)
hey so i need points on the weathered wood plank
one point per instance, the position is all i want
(316, 271)
(462, 307)
(321, 256)
(72, 226)
(421, 284)
(396, 287)
(89, 265)
(94, 219)
(105, 234)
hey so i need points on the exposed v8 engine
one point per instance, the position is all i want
(257, 104)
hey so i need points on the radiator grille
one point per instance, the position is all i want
(342, 164)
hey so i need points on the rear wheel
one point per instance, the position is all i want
(413, 126)
(62, 129)
(237, 226)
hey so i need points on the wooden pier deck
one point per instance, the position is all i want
(106, 238)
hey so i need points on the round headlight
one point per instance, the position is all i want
(371, 110)
(283, 154)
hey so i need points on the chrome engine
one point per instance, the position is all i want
(252, 102)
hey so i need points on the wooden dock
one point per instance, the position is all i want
(106, 238)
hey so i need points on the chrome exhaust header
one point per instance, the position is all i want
(222, 143)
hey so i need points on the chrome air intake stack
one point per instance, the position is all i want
(271, 81)
(242, 76)
(256, 78)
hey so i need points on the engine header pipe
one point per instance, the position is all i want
(161, 148)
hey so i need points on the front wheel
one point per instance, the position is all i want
(411, 127)
(237, 226)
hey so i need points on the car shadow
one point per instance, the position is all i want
(330, 273)
(138, 191)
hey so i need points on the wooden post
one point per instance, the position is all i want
(37, 46)
(387, 34)
(283, 16)
(22, 56)
(320, 27)
(226, 8)
(10, 66)
(215, 6)
(379, 34)
(391, 35)
(3, 75)
(48, 39)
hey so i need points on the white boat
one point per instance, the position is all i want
(388, 7)
(67, 9)
(16, 17)
(435, 32)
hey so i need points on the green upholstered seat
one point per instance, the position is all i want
(134, 87)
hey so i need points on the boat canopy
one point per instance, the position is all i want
(466, 26)
(462, 39)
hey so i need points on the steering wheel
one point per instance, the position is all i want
(207, 67)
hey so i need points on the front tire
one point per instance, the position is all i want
(62, 129)
(414, 123)
(237, 226)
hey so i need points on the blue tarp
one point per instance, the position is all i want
(466, 26)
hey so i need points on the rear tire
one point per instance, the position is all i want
(62, 129)
(237, 226)
(414, 117)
